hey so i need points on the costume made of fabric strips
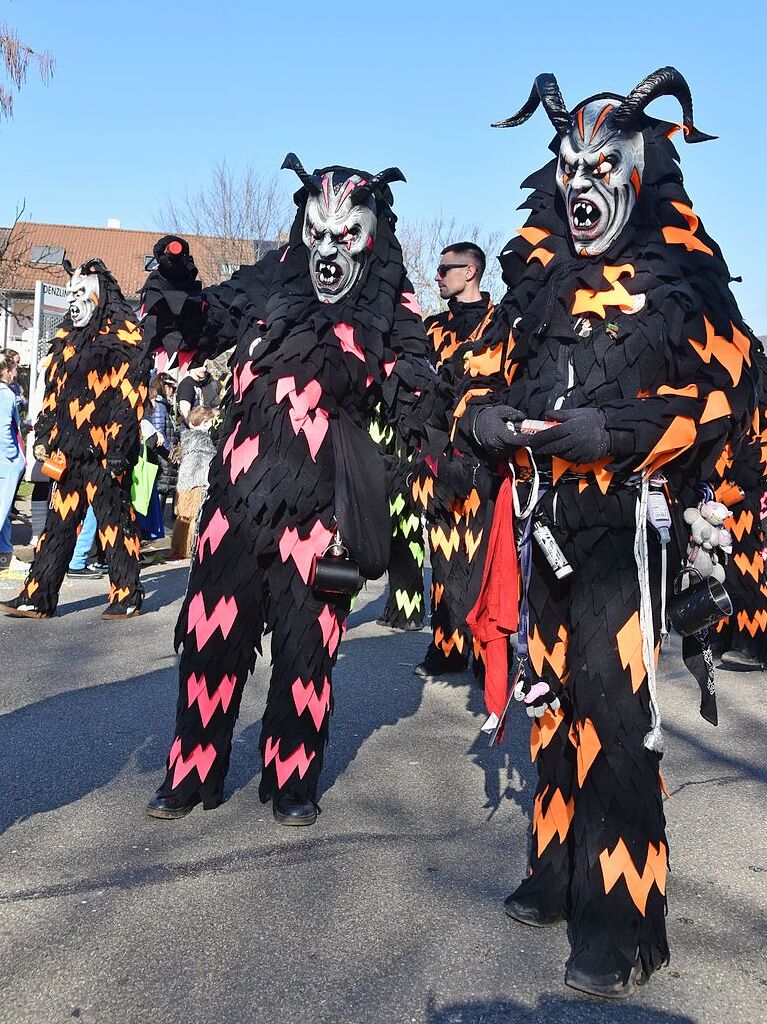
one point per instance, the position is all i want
(742, 486)
(302, 368)
(95, 389)
(648, 333)
(453, 489)
(404, 608)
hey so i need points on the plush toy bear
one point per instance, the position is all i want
(708, 538)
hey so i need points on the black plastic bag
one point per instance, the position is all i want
(362, 499)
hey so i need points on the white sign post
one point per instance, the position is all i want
(50, 306)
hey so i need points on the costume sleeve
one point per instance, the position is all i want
(46, 419)
(415, 401)
(490, 370)
(183, 317)
(708, 399)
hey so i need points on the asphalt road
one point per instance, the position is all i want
(390, 908)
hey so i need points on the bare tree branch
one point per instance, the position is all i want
(17, 57)
(238, 212)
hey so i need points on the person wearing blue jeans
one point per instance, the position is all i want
(78, 567)
(11, 458)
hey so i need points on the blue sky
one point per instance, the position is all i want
(148, 96)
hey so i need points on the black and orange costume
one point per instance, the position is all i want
(404, 608)
(741, 639)
(95, 388)
(620, 325)
(454, 499)
(327, 331)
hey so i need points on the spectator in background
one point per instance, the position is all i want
(161, 394)
(14, 360)
(197, 450)
(11, 460)
(198, 389)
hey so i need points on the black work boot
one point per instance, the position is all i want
(293, 809)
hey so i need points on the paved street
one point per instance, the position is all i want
(390, 908)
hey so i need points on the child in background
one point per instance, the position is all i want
(197, 451)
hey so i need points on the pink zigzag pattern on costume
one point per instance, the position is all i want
(302, 403)
(331, 633)
(345, 335)
(213, 533)
(409, 301)
(298, 760)
(200, 758)
(305, 695)
(197, 690)
(303, 551)
(222, 617)
(242, 378)
(241, 457)
(388, 368)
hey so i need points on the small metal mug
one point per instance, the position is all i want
(701, 605)
(335, 573)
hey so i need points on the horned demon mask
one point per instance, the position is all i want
(83, 295)
(601, 152)
(339, 224)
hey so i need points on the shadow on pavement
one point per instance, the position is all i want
(551, 1008)
(58, 750)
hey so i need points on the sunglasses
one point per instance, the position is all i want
(443, 268)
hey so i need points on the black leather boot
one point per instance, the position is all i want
(169, 807)
(526, 913)
(291, 809)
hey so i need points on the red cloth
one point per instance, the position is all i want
(495, 616)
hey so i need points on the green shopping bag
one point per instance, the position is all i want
(142, 482)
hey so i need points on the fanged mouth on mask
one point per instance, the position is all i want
(339, 233)
(83, 292)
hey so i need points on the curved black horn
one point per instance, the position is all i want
(310, 181)
(546, 91)
(663, 82)
(363, 192)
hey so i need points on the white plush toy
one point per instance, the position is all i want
(708, 538)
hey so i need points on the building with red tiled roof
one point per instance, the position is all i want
(31, 252)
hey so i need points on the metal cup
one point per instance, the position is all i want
(335, 573)
(701, 605)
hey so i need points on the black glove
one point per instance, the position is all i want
(581, 436)
(491, 430)
(117, 464)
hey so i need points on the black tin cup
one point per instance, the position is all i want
(701, 605)
(335, 573)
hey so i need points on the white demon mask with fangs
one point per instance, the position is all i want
(83, 295)
(601, 156)
(339, 233)
(599, 175)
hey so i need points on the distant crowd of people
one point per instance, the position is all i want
(179, 414)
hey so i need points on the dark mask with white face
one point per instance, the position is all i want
(83, 296)
(599, 176)
(340, 220)
(339, 235)
(601, 151)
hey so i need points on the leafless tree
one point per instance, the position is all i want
(237, 213)
(17, 58)
(423, 241)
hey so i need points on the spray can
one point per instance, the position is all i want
(553, 553)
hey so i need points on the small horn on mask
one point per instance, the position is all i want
(311, 182)
(68, 268)
(546, 91)
(363, 192)
(663, 82)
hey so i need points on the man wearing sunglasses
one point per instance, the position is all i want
(453, 497)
